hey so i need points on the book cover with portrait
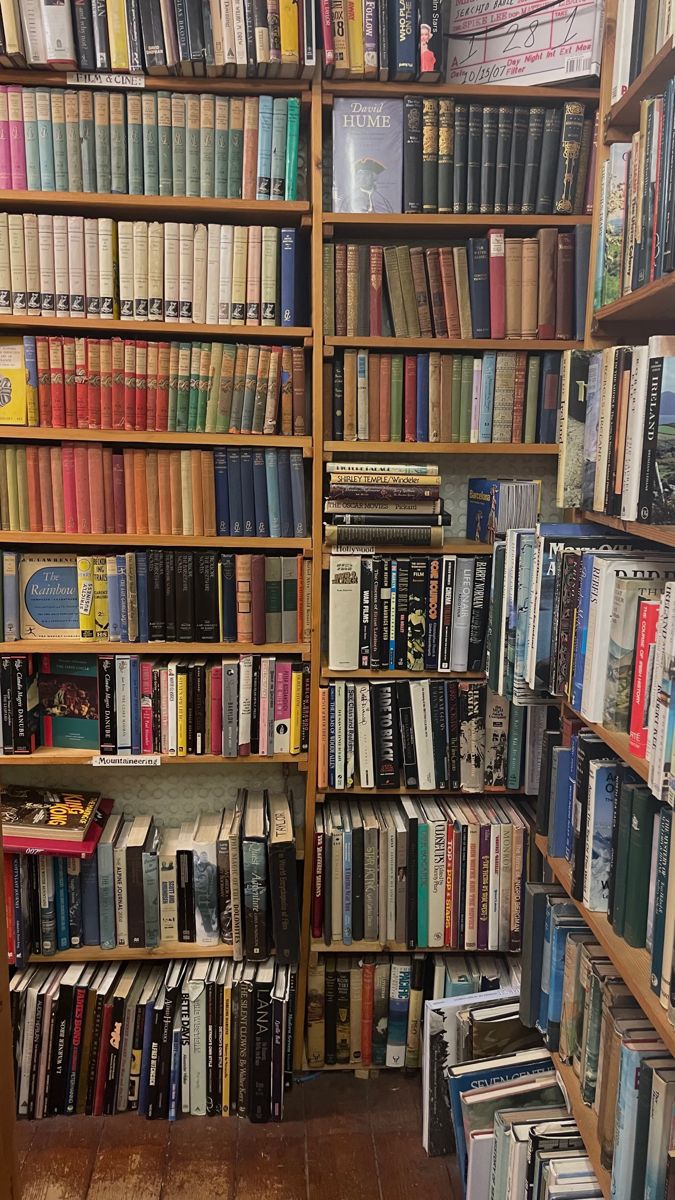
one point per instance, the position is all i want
(367, 155)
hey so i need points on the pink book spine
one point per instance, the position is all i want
(118, 494)
(69, 489)
(5, 156)
(146, 708)
(282, 695)
(164, 709)
(263, 720)
(327, 34)
(56, 465)
(217, 709)
(82, 490)
(96, 493)
(17, 149)
(108, 497)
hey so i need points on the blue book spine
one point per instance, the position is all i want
(285, 498)
(422, 430)
(122, 589)
(422, 884)
(402, 30)
(145, 1060)
(393, 593)
(347, 887)
(10, 595)
(222, 500)
(74, 901)
(287, 271)
(247, 493)
(61, 903)
(262, 520)
(114, 618)
(297, 472)
(142, 596)
(487, 396)
(557, 829)
(542, 1019)
(264, 172)
(30, 360)
(89, 888)
(660, 896)
(272, 478)
(585, 580)
(479, 286)
(331, 735)
(234, 493)
(601, 837)
(45, 141)
(135, 680)
(106, 896)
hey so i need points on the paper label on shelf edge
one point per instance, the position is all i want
(126, 760)
(115, 79)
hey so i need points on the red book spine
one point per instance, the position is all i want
(46, 721)
(118, 493)
(69, 488)
(105, 419)
(81, 383)
(146, 707)
(56, 467)
(76, 1035)
(449, 876)
(129, 385)
(117, 349)
(33, 479)
(56, 383)
(151, 388)
(162, 404)
(327, 34)
(367, 1007)
(44, 382)
(497, 272)
(82, 489)
(108, 493)
(94, 384)
(141, 391)
(70, 382)
(103, 1056)
(648, 617)
(96, 492)
(216, 714)
(258, 599)
(45, 477)
(410, 398)
(376, 291)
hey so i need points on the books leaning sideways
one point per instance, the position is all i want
(45, 816)
(384, 504)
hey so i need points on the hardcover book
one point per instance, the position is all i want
(367, 158)
(68, 688)
(48, 596)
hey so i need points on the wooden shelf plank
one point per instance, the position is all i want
(146, 329)
(399, 345)
(624, 116)
(63, 646)
(427, 225)
(470, 91)
(651, 305)
(333, 447)
(385, 673)
(392, 793)
(618, 742)
(366, 947)
(87, 954)
(56, 757)
(450, 546)
(587, 1121)
(633, 964)
(218, 85)
(152, 539)
(135, 437)
(663, 534)
(268, 212)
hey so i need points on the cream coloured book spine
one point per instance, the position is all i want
(141, 270)
(126, 246)
(155, 271)
(91, 265)
(46, 253)
(171, 266)
(61, 283)
(186, 262)
(76, 266)
(31, 247)
(17, 263)
(107, 267)
(199, 275)
(212, 274)
(225, 279)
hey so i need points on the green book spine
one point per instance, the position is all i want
(235, 149)
(30, 137)
(43, 110)
(135, 144)
(221, 140)
(621, 858)
(118, 144)
(292, 139)
(515, 755)
(207, 120)
(183, 400)
(85, 103)
(213, 386)
(465, 399)
(279, 127)
(456, 394)
(396, 410)
(165, 143)
(203, 386)
(193, 404)
(531, 398)
(225, 391)
(150, 144)
(73, 155)
(192, 146)
(422, 884)
(178, 144)
(173, 386)
(59, 139)
(102, 140)
(638, 867)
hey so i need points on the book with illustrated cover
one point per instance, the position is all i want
(68, 687)
(367, 158)
(43, 812)
(48, 605)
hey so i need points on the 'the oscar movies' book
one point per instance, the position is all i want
(367, 155)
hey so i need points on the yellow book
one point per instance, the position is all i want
(85, 597)
(22, 488)
(296, 711)
(355, 37)
(12, 489)
(117, 35)
(181, 710)
(289, 36)
(227, 1027)
(15, 382)
(101, 612)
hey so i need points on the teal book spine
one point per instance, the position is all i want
(178, 144)
(61, 903)
(165, 135)
(264, 167)
(193, 404)
(292, 140)
(279, 126)
(272, 477)
(192, 183)
(59, 141)
(150, 145)
(135, 145)
(221, 139)
(235, 149)
(31, 141)
(45, 140)
(207, 120)
(87, 141)
(102, 139)
(118, 144)
(73, 155)
(515, 755)
(422, 884)
(487, 395)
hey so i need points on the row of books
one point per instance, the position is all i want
(223, 37)
(89, 488)
(626, 1074)
(472, 158)
(415, 614)
(639, 36)
(156, 596)
(204, 1037)
(178, 387)
(423, 873)
(379, 42)
(431, 734)
(615, 437)
(496, 396)
(127, 705)
(227, 876)
(149, 143)
(488, 287)
(149, 271)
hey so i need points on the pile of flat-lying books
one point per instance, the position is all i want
(386, 495)
(225, 877)
(195, 1038)
(421, 873)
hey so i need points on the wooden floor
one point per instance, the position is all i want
(343, 1139)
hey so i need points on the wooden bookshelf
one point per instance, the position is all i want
(450, 546)
(48, 756)
(331, 448)
(386, 673)
(96, 204)
(651, 305)
(133, 437)
(663, 534)
(218, 85)
(402, 790)
(94, 954)
(586, 1119)
(146, 329)
(154, 539)
(460, 91)
(623, 117)
(618, 742)
(224, 649)
(397, 345)
(433, 225)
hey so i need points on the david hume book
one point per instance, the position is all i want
(367, 155)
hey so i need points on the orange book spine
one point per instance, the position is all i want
(140, 492)
(322, 763)
(56, 471)
(250, 154)
(449, 876)
(164, 486)
(94, 383)
(117, 354)
(373, 397)
(385, 398)
(129, 496)
(300, 575)
(367, 1007)
(197, 497)
(208, 493)
(82, 501)
(175, 492)
(151, 474)
(70, 382)
(243, 585)
(33, 481)
(108, 493)
(141, 394)
(46, 498)
(96, 495)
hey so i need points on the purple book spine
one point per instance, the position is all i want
(483, 887)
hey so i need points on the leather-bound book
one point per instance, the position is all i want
(432, 256)
(474, 157)
(422, 305)
(504, 135)
(450, 303)
(513, 267)
(548, 160)
(564, 293)
(548, 253)
(517, 161)
(430, 154)
(488, 171)
(340, 290)
(408, 290)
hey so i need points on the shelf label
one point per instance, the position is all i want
(126, 760)
(104, 79)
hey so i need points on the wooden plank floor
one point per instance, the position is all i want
(343, 1139)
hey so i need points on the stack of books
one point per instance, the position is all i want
(227, 877)
(199, 1038)
(150, 143)
(386, 494)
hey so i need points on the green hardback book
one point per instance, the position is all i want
(135, 145)
(43, 110)
(30, 137)
(207, 120)
(102, 140)
(221, 142)
(178, 143)
(118, 144)
(192, 146)
(193, 394)
(465, 395)
(59, 140)
(638, 867)
(173, 386)
(150, 144)
(396, 409)
(183, 401)
(292, 140)
(235, 149)
(279, 130)
(251, 376)
(213, 391)
(73, 156)
(226, 387)
(165, 139)
(203, 386)
(273, 599)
